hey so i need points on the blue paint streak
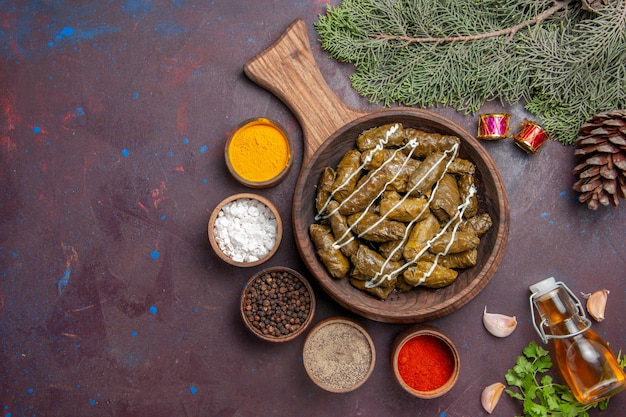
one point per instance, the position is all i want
(86, 34)
(544, 215)
(92, 402)
(137, 7)
(153, 310)
(134, 334)
(136, 95)
(37, 129)
(154, 254)
(185, 141)
(125, 152)
(67, 31)
(64, 282)
(203, 149)
(193, 390)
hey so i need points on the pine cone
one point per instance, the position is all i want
(601, 153)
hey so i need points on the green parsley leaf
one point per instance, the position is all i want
(530, 383)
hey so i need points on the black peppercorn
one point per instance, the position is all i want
(276, 304)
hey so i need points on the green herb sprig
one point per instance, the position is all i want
(540, 395)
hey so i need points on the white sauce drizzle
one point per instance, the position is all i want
(380, 277)
(380, 146)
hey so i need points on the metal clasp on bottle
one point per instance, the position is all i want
(541, 327)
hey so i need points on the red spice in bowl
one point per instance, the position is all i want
(425, 362)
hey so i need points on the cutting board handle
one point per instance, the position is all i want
(288, 69)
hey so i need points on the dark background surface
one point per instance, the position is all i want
(112, 126)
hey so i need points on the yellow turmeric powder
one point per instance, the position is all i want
(258, 151)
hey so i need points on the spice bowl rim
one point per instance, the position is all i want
(423, 330)
(304, 325)
(215, 213)
(259, 184)
(350, 322)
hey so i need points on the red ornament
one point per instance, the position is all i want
(531, 137)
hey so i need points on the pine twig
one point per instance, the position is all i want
(558, 5)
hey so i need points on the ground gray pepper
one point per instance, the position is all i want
(276, 304)
(338, 355)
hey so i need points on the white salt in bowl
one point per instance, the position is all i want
(245, 229)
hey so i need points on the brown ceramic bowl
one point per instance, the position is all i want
(288, 308)
(433, 350)
(338, 355)
(215, 241)
(420, 304)
(278, 172)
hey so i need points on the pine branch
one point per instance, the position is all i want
(510, 31)
(565, 63)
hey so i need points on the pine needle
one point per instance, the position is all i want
(566, 64)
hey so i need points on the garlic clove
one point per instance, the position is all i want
(596, 304)
(491, 395)
(499, 325)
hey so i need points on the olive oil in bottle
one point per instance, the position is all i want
(584, 359)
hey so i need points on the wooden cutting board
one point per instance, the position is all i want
(288, 69)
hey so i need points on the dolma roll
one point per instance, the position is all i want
(344, 237)
(402, 285)
(347, 174)
(459, 260)
(366, 191)
(479, 225)
(372, 137)
(374, 158)
(391, 250)
(324, 188)
(461, 167)
(369, 265)
(379, 292)
(429, 275)
(372, 227)
(466, 185)
(427, 143)
(335, 262)
(445, 202)
(394, 208)
(398, 168)
(454, 242)
(427, 173)
(420, 234)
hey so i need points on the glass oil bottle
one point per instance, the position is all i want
(585, 360)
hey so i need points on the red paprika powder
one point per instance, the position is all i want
(425, 363)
